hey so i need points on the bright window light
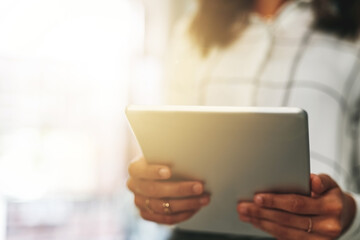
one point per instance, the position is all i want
(66, 67)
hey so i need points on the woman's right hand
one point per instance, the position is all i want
(160, 199)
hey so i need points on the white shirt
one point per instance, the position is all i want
(283, 63)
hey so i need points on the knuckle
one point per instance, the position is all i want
(297, 204)
(333, 228)
(336, 207)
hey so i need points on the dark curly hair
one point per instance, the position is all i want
(219, 22)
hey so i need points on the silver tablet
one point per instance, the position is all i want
(235, 151)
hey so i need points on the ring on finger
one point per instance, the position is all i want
(166, 207)
(310, 225)
(147, 205)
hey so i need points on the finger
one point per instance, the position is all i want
(251, 210)
(292, 203)
(329, 226)
(173, 205)
(156, 189)
(166, 219)
(315, 185)
(283, 232)
(322, 183)
(142, 170)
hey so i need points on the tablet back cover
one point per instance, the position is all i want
(236, 151)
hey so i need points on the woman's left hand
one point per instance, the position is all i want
(325, 215)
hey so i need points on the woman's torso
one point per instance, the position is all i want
(284, 63)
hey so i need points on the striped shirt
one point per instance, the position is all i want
(283, 63)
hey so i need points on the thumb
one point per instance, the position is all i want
(321, 183)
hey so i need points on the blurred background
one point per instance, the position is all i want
(68, 68)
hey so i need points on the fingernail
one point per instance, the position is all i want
(204, 201)
(197, 188)
(259, 200)
(164, 172)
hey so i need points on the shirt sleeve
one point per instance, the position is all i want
(354, 231)
(352, 184)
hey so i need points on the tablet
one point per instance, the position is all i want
(235, 151)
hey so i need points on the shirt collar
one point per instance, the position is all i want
(287, 14)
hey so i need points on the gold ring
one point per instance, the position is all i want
(310, 225)
(166, 206)
(147, 205)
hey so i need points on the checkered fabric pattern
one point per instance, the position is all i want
(283, 63)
